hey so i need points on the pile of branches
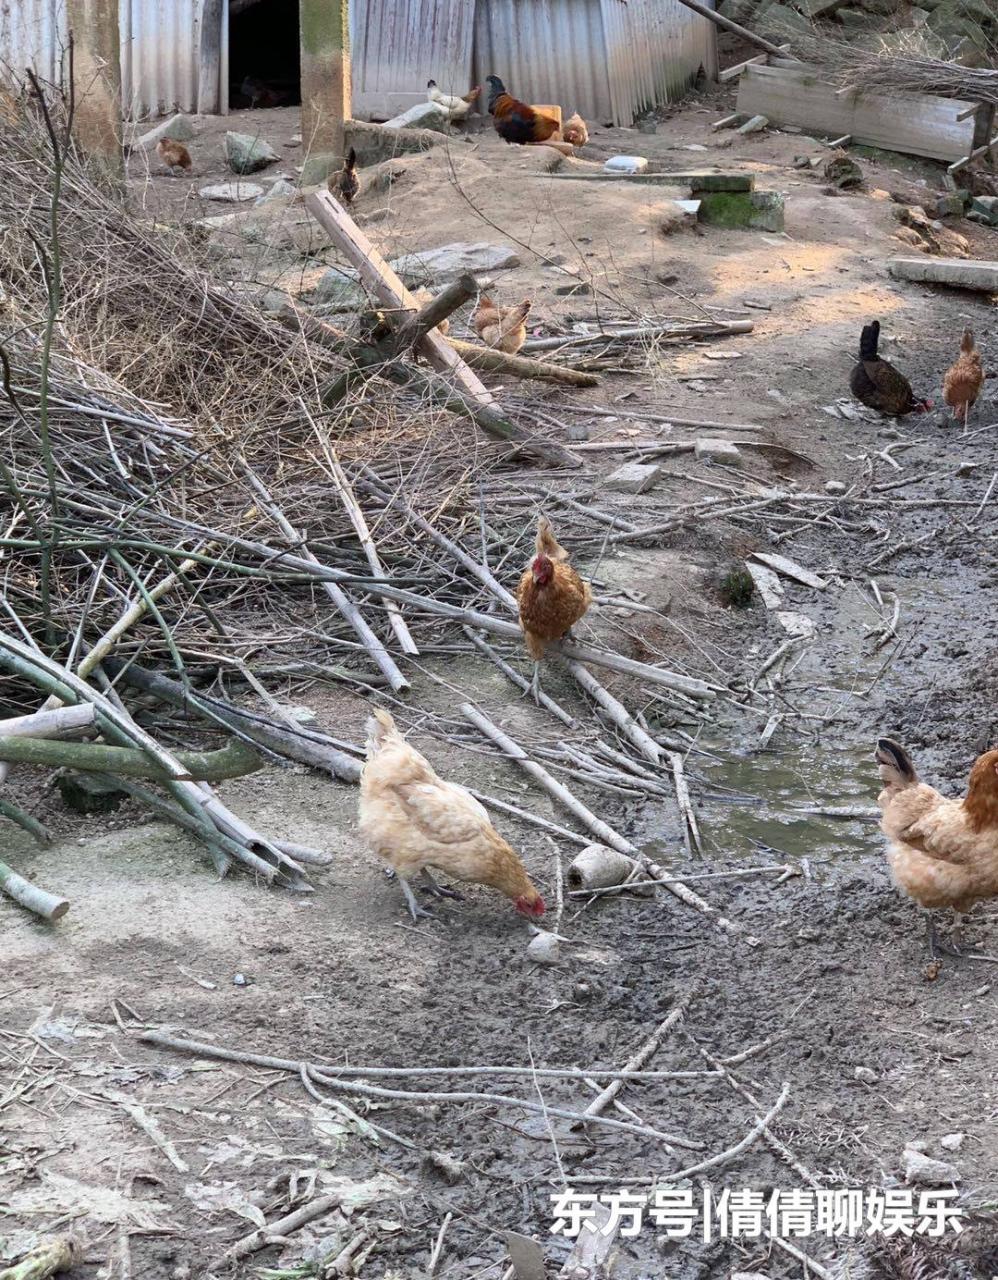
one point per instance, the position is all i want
(900, 69)
(178, 505)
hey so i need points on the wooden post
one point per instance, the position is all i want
(325, 85)
(97, 82)
(210, 88)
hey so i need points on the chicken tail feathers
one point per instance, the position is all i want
(896, 765)
(869, 339)
(547, 544)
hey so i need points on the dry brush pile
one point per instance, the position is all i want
(178, 504)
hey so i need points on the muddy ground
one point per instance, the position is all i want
(837, 998)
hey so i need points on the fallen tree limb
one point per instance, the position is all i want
(775, 50)
(234, 760)
(463, 391)
(697, 329)
(499, 362)
(49, 724)
(52, 1257)
(25, 894)
(326, 1076)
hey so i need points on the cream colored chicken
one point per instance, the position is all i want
(942, 852)
(415, 820)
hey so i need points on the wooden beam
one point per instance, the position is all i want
(912, 123)
(720, 21)
(93, 25)
(210, 87)
(955, 272)
(324, 27)
(470, 394)
(732, 73)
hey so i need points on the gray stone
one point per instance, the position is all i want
(647, 126)
(951, 205)
(246, 153)
(755, 124)
(282, 189)
(979, 276)
(634, 477)
(737, 10)
(782, 23)
(337, 291)
(755, 210)
(452, 260)
(865, 1075)
(424, 115)
(375, 142)
(626, 164)
(232, 192)
(718, 451)
(856, 19)
(984, 209)
(544, 948)
(700, 182)
(178, 127)
(577, 288)
(952, 1141)
(837, 486)
(921, 1170)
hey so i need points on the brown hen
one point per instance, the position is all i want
(551, 597)
(964, 379)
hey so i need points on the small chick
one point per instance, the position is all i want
(504, 328)
(174, 155)
(345, 184)
(574, 131)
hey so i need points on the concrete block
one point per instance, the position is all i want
(634, 477)
(719, 451)
(756, 210)
(980, 276)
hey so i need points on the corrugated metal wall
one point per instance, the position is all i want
(608, 59)
(397, 45)
(546, 51)
(159, 49)
(159, 56)
(32, 34)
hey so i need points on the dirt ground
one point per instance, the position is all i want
(837, 999)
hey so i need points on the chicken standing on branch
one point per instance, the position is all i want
(174, 155)
(344, 183)
(457, 108)
(551, 596)
(964, 379)
(414, 820)
(515, 121)
(504, 328)
(942, 853)
(877, 384)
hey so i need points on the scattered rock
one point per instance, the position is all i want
(634, 477)
(247, 154)
(626, 164)
(865, 1075)
(544, 948)
(452, 260)
(89, 793)
(984, 209)
(921, 1170)
(835, 486)
(338, 291)
(578, 287)
(951, 205)
(843, 171)
(929, 235)
(232, 192)
(281, 190)
(444, 1166)
(718, 451)
(952, 1141)
(754, 124)
(375, 143)
(801, 627)
(424, 115)
(178, 127)
(647, 126)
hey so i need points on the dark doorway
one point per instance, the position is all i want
(263, 54)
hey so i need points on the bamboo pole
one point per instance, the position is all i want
(498, 362)
(234, 760)
(25, 894)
